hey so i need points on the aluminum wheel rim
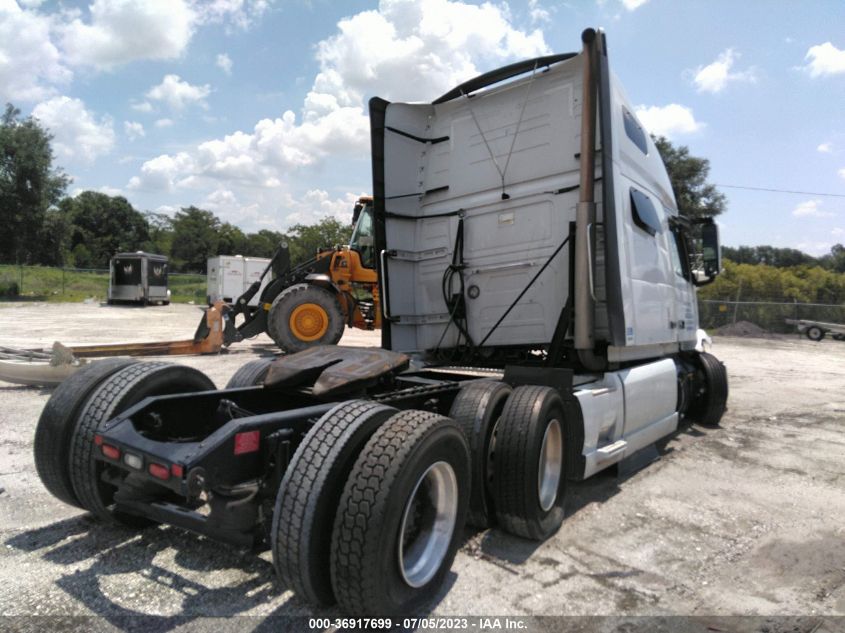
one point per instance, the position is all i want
(550, 465)
(434, 505)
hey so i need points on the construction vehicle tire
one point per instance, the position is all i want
(303, 316)
(529, 480)
(308, 497)
(251, 374)
(711, 402)
(117, 393)
(815, 333)
(57, 421)
(477, 409)
(398, 523)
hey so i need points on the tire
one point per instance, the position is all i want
(707, 409)
(117, 393)
(58, 420)
(477, 408)
(411, 454)
(528, 504)
(310, 492)
(321, 318)
(251, 374)
(815, 333)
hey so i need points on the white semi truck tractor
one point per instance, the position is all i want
(539, 325)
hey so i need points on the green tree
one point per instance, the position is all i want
(196, 237)
(306, 239)
(103, 225)
(160, 232)
(231, 240)
(696, 197)
(29, 185)
(263, 243)
(54, 239)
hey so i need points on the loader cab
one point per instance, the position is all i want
(363, 234)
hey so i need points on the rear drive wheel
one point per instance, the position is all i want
(309, 495)
(815, 333)
(303, 316)
(712, 398)
(530, 473)
(58, 420)
(251, 374)
(477, 409)
(117, 393)
(398, 524)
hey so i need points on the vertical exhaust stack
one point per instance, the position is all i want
(585, 217)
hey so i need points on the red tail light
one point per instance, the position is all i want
(98, 440)
(159, 472)
(247, 442)
(177, 470)
(112, 452)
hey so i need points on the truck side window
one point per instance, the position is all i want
(645, 215)
(634, 131)
(677, 255)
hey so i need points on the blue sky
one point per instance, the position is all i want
(256, 109)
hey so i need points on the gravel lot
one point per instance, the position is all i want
(741, 519)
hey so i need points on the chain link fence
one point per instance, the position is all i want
(44, 283)
(769, 316)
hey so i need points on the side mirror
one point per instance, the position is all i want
(711, 253)
(709, 262)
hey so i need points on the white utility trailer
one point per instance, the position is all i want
(229, 276)
(817, 330)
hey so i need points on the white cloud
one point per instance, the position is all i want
(670, 120)
(837, 231)
(121, 31)
(133, 130)
(224, 63)
(241, 13)
(715, 76)
(30, 64)
(160, 123)
(825, 148)
(162, 173)
(633, 4)
(810, 209)
(413, 50)
(825, 59)
(815, 248)
(842, 172)
(143, 106)
(78, 133)
(179, 94)
(538, 13)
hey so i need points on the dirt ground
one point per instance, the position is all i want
(746, 518)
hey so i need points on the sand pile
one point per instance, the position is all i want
(743, 328)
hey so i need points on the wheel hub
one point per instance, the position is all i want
(550, 465)
(309, 322)
(427, 524)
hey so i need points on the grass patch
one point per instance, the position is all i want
(52, 284)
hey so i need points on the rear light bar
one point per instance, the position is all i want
(112, 452)
(158, 471)
(247, 442)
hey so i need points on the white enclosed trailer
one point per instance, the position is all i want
(229, 276)
(138, 277)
